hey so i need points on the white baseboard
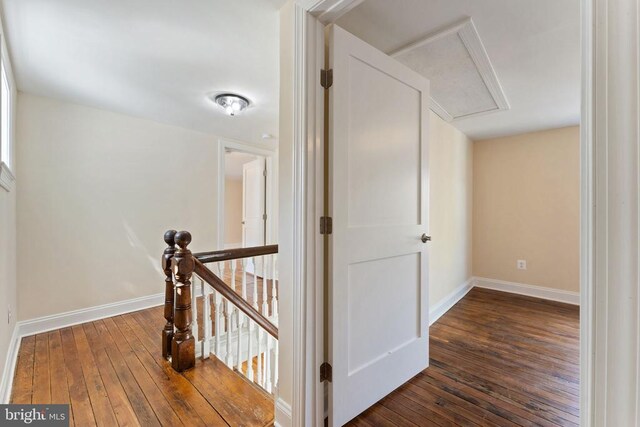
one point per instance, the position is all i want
(449, 301)
(283, 414)
(62, 320)
(567, 297)
(9, 367)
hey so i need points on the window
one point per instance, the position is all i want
(6, 132)
(5, 112)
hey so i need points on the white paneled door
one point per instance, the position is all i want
(379, 182)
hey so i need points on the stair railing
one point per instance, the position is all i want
(230, 311)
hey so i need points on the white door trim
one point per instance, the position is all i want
(586, 219)
(610, 229)
(307, 405)
(269, 154)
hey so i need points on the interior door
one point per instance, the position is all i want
(253, 203)
(378, 263)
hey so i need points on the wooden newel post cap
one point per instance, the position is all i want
(169, 237)
(182, 239)
(183, 262)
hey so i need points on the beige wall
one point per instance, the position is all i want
(97, 191)
(450, 171)
(232, 211)
(526, 206)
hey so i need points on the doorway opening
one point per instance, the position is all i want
(479, 153)
(247, 176)
(245, 200)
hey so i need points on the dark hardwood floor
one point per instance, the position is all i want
(496, 359)
(112, 373)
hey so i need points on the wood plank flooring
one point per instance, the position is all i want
(112, 373)
(496, 359)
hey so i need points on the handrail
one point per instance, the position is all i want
(227, 254)
(228, 293)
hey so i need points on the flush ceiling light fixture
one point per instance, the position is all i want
(231, 103)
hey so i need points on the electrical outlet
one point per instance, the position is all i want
(521, 264)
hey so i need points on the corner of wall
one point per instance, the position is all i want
(8, 370)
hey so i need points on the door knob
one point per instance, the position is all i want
(425, 238)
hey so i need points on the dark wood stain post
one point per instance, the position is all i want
(167, 332)
(183, 354)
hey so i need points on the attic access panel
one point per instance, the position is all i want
(463, 81)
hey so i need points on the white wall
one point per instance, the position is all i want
(97, 191)
(450, 201)
(8, 289)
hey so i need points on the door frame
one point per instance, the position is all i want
(271, 164)
(307, 177)
(308, 140)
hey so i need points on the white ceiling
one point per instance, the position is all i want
(533, 45)
(233, 162)
(152, 58)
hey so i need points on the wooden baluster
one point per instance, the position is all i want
(244, 278)
(259, 334)
(206, 321)
(265, 288)
(239, 343)
(274, 289)
(250, 351)
(265, 311)
(234, 318)
(227, 321)
(242, 322)
(223, 267)
(267, 364)
(183, 344)
(254, 296)
(167, 332)
(234, 265)
(194, 308)
(218, 328)
(275, 363)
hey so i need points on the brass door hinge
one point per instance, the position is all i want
(326, 225)
(326, 372)
(326, 78)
